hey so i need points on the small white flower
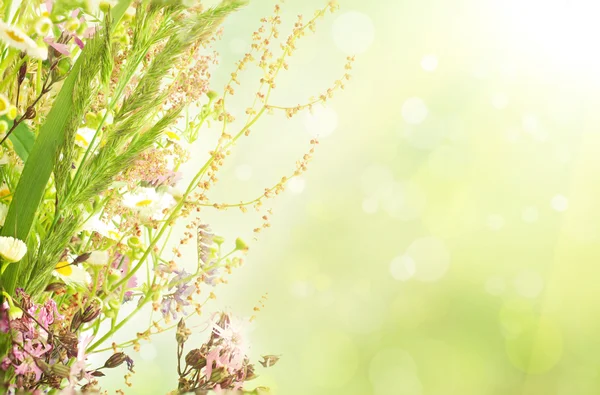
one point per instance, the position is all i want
(84, 137)
(11, 249)
(105, 229)
(148, 203)
(130, 12)
(16, 38)
(98, 258)
(43, 26)
(72, 274)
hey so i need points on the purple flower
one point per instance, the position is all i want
(179, 297)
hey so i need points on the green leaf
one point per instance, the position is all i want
(22, 139)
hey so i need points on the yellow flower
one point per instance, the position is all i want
(4, 104)
(16, 38)
(11, 249)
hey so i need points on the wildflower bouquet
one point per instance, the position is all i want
(101, 104)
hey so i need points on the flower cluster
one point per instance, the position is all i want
(100, 107)
(222, 362)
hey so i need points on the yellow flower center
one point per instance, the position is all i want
(81, 139)
(14, 36)
(144, 203)
(3, 104)
(5, 193)
(64, 268)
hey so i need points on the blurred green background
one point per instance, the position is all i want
(445, 239)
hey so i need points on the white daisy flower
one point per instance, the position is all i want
(16, 38)
(11, 249)
(148, 203)
(84, 137)
(105, 229)
(98, 258)
(72, 274)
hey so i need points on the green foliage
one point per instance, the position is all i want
(22, 139)
(44, 153)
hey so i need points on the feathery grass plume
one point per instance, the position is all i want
(139, 108)
(110, 161)
(94, 61)
(96, 64)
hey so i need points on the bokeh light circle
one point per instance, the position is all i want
(402, 268)
(529, 284)
(560, 203)
(353, 32)
(429, 63)
(414, 111)
(431, 258)
(321, 121)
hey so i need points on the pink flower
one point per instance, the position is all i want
(78, 368)
(49, 313)
(61, 48)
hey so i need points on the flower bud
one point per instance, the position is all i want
(44, 367)
(61, 370)
(55, 287)
(218, 240)
(240, 245)
(219, 375)
(182, 333)
(14, 313)
(81, 258)
(30, 113)
(91, 312)
(212, 95)
(195, 359)
(115, 360)
(76, 321)
(22, 73)
(134, 243)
